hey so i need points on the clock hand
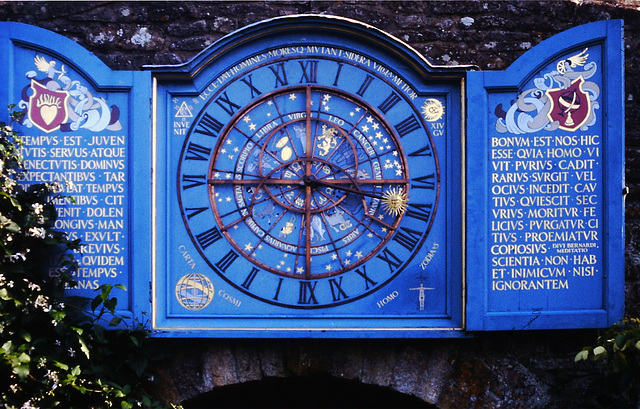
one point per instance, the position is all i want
(340, 186)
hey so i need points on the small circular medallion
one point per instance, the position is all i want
(194, 291)
(432, 110)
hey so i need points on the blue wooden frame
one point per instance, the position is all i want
(509, 83)
(145, 98)
(193, 78)
(132, 89)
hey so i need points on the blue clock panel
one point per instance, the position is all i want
(308, 184)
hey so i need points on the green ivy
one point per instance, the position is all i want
(57, 351)
(618, 349)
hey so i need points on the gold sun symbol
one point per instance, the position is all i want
(432, 110)
(395, 201)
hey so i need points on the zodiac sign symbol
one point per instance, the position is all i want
(268, 212)
(301, 134)
(328, 140)
(336, 218)
(316, 228)
(288, 227)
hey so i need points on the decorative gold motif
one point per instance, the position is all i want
(432, 109)
(395, 201)
(328, 140)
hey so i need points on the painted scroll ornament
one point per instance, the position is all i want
(561, 99)
(56, 102)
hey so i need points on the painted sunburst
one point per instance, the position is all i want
(395, 201)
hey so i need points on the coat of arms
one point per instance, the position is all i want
(58, 102)
(562, 99)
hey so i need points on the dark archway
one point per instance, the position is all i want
(304, 392)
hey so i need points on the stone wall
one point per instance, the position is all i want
(510, 370)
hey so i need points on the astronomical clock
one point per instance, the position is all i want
(313, 185)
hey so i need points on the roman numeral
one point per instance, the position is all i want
(250, 277)
(208, 237)
(365, 84)
(228, 259)
(367, 280)
(420, 211)
(389, 103)
(197, 152)
(392, 260)
(424, 182)
(307, 295)
(275, 297)
(209, 126)
(309, 71)
(280, 73)
(254, 91)
(336, 289)
(407, 238)
(407, 126)
(426, 151)
(192, 211)
(189, 181)
(225, 103)
(335, 81)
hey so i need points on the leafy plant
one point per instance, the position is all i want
(56, 351)
(618, 348)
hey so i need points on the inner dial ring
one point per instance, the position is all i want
(304, 194)
(287, 183)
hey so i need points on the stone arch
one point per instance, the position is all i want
(194, 368)
(309, 391)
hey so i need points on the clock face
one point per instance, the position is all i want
(309, 181)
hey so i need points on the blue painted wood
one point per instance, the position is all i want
(88, 125)
(520, 269)
(209, 100)
(566, 269)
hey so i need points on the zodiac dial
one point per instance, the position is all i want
(308, 199)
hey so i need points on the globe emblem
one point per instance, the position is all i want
(194, 291)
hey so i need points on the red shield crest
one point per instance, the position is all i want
(47, 109)
(569, 106)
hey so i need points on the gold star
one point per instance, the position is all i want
(370, 119)
(246, 118)
(348, 253)
(328, 267)
(365, 128)
(292, 97)
(252, 127)
(300, 270)
(359, 254)
(248, 247)
(334, 256)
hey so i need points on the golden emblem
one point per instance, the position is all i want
(394, 201)
(432, 110)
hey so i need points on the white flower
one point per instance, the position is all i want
(38, 232)
(43, 302)
(56, 187)
(37, 208)
(15, 257)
